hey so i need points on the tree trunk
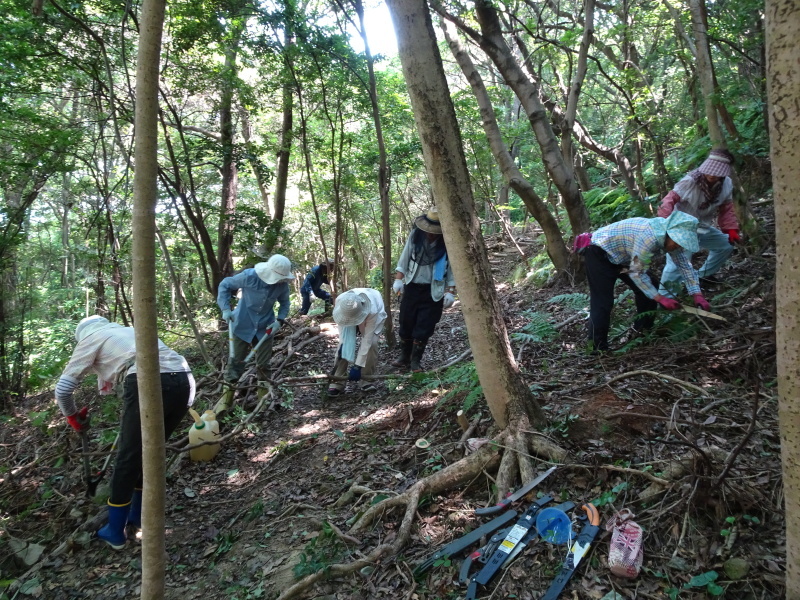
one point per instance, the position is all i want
(230, 174)
(384, 179)
(285, 151)
(145, 193)
(783, 80)
(554, 242)
(447, 171)
(706, 74)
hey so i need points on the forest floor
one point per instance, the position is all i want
(272, 504)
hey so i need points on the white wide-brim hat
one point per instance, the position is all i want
(277, 268)
(351, 309)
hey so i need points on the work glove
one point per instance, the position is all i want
(449, 299)
(733, 236)
(355, 373)
(273, 328)
(227, 315)
(668, 303)
(397, 286)
(80, 420)
(701, 302)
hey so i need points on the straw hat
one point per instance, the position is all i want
(277, 268)
(429, 222)
(351, 309)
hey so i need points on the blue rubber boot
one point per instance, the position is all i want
(113, 532)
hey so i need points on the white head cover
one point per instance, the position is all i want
(351, 309)
(277, 268)
(89, 325)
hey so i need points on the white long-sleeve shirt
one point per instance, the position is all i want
(372, 327)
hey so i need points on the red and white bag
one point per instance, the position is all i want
(626, 552)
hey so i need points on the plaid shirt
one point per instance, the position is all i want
(632, 243)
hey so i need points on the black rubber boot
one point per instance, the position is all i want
(405, 355)
(417, 350)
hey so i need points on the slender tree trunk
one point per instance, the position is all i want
(247, 133)
(783, 80)
(706, 74)
(230, 174)
(447, 171)
(145, 192)
(285, 151)
(554, 242)
(384, 179)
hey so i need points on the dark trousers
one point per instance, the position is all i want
(177, 390)
(306, 294)
(419, 313)
(602, 275)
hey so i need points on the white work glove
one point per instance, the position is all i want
(449, 299)
(397, 286)
(227, 315)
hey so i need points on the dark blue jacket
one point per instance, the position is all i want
(315, 278)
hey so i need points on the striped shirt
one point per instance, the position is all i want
(110, 353)
(633, 243)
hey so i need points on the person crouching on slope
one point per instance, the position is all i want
(624, 250)
(357, 309)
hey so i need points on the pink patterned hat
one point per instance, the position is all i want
(718, 164)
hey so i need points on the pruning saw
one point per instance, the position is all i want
(576, 553)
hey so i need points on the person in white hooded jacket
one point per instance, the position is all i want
(109, 351)
(359, 310)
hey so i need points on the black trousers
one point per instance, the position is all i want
(602, 275)
(419, 313)
(177, 389)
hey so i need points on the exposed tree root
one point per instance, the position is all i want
(516, 460)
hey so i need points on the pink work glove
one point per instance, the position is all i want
(701, 302)
(668, 303)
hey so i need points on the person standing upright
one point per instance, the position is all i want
(707, 194)
(424, 278)
(253, 318)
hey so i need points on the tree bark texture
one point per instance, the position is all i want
(145, 194)
(446, 166)
(783, 80)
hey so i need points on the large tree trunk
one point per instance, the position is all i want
(145, 301)
(783, 77)
(447, 171)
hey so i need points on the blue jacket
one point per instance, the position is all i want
(254, 312)
(315, 278)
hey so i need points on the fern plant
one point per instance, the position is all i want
(538, 329)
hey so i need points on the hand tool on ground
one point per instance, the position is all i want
(702, 313)
(272, 329)
(576, 553)
(532, 533)
(92, 481)
(490, 510)
(466, 541)
(525, 523)
(482, 554)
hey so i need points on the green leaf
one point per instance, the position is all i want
(703, 580)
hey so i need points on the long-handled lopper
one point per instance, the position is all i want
(92, 481)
